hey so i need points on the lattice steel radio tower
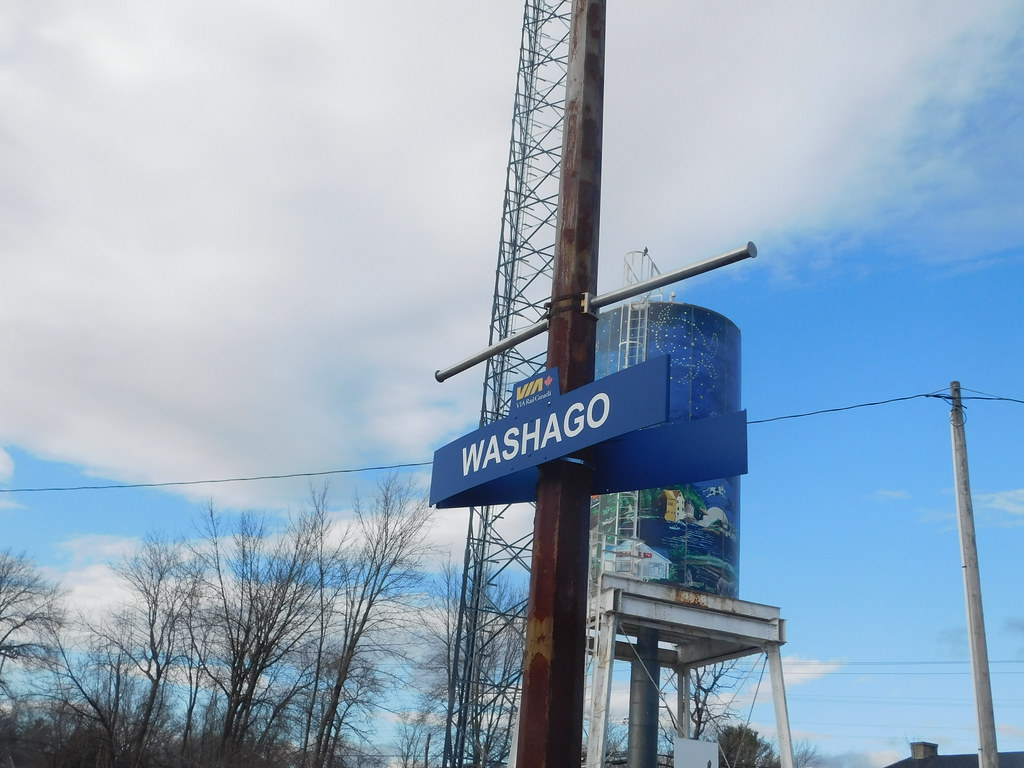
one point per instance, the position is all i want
(487, 657)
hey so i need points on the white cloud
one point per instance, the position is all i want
(800, 671)
(1011, 502)
(228, 228)
(796, 671)
(94, 548)
(6, 466)
(93, 590)
(790, 118)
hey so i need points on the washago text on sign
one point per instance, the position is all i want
(526, 438)
(555, 427)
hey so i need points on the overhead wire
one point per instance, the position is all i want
(114, 486)
(386, 467)
(803, 663)
(989, 396)
(847, 408)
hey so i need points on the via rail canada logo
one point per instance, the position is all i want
(534, 390)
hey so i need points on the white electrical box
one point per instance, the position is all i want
(691, 753)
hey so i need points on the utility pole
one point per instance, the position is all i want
(988, 756)
(551, 715)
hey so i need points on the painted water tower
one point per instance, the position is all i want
(694, 526)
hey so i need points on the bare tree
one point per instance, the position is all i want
(252, 644)
(262, 607)
(149, 629)
(413, 735)
(94, 683)
(30, 612)
(114, 678)
(199, 639)
(328, 558)
(806, 755)
(372, 575)
(438, 636)
(422, 725)
(708, 713)
(617, 743)
(498, 650)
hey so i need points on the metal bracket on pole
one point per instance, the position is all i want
(589, 304)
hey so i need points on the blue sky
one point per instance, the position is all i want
(238, 246)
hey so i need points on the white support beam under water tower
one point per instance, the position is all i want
(703, 629)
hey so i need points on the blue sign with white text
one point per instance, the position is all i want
(550, 428)
(663, 454)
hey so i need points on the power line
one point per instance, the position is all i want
(220, 480)
(835, 667)
(847, 408)
(864, 673)
(177, 483)
(988, 396)
(799, 663)
(1005, 399)
(910, 701)
(935, 395)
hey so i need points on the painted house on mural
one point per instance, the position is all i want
(637, 560)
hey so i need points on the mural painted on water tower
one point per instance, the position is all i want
(695, 526)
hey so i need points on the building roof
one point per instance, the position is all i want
(934, 760)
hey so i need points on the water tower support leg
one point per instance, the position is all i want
(779, 698)
(644, 685)
(600, 696)
(683, 701)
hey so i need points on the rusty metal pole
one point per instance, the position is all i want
(551, 715)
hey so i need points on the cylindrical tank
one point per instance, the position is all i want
(686, 534)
